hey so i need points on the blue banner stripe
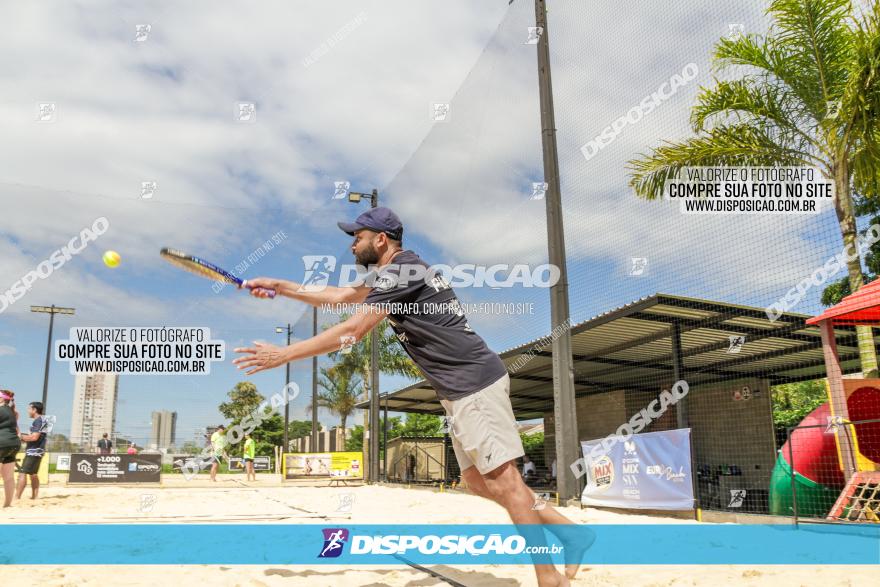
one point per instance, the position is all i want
(229, 544)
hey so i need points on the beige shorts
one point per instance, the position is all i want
(483, 428)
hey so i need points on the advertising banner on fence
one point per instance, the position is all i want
(90, 468)
(178, 462)
(346, 465)
(648, 471)
(260, 464)
(62, 463)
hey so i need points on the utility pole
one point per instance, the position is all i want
(314, 443)
(51, 310)
(385, 441)
(373, 466)
(563, 372)
(374, 389)
(280, 329)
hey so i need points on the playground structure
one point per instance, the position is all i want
(830, 464)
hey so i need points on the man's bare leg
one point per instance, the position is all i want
(507, 488)
(35, 486)
(548, 515)
(214, 466)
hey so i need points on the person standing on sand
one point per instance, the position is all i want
(10, 444)
(104, 445)
(248, 454)
(34, 451)
(218, 444)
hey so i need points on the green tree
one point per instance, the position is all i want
(190, 448)
(355, 362)
(533, 444)
(395, 427)
(269, 434)
(355, 440)
(340, 393)
(421, 425)
(59, 443)
(839, 289)
(793, 401)
(809, 95)
(300, 428)
(393, 360)
(243, 400)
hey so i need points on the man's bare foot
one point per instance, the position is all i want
(555, 580)
(572, 569)
(575, 552)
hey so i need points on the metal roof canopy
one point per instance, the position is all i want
(631, 348)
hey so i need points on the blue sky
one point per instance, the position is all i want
(163, 110)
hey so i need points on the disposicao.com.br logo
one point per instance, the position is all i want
(318, 270)
(450, 544)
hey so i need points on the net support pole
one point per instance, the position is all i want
(286, 434)
(567, 449)
(681, 415)
(385, 442)
(314, 440)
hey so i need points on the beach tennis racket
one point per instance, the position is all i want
(208, 270)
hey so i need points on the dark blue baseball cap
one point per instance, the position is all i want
(376, 219)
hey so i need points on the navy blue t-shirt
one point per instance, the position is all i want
(36, 448)
(430, 324)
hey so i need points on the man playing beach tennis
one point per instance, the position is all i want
(470, 380)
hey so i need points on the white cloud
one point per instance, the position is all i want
(5, 350)
(163, 110)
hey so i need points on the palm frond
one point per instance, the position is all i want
(806, 50)
(748, 101)
(860, 106)
(731, 145)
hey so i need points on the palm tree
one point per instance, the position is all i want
(810, 96)
(393, 360)
(340, 393)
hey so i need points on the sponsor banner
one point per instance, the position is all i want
(42, 472)
(260, 464)
(178, 462)
(458, 544)
(645, 471)
(344, 465)
(91, 468)
(63, 462)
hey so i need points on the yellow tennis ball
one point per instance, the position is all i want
(112, 259)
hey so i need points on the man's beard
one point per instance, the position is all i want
(367, 257)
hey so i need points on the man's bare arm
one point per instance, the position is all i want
(265, 356)
(314, 295)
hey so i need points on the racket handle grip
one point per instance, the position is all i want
(270, 292)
